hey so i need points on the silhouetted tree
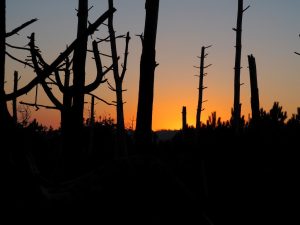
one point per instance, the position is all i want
(70, 125)
(5, 118)
(184, 123)
(69, 130)
(277, 115)
(118, 77)
(237, 68)
(213, 122)
(16, 80)
(254, 88)
(201, 87)
(147, 68)
(79, 60)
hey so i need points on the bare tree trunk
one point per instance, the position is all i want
(184, 123)
(79, 61)
(201, 87)
(121, 136)
(16, 79)
(92, 126)
(147, 70)
(254, 88)
(5, 118)
(237, 68)
(200, 98)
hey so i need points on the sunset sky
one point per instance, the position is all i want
(270, 32)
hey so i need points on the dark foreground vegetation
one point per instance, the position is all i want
(207, 176)
(233, 172)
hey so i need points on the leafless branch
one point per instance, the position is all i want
(106, 55)
(110, 86)
(18, 60)
(207, 66)
(125, 57)
(90, 30)
(246, 8)
(297, 53)
(107, 39)
(39, 72)
(100, 73)
(16, 47)
(37, 106)
(90, 8)
(102, 100)
(16, 30)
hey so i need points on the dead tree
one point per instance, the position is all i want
(72, 144)
(6, 120)
(118, 78)
(201, 86)
(297, 53)
(147, 70)
(67, 106)
(184, 123)
(79, 61)
(237, 68)
(254, 88)
(16, 80)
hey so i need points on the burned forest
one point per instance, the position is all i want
(209, 170)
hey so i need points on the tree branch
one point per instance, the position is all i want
(246, 8)
(125, 57)
(100, 74)
(207, 66)
(17, 47)
(37, 106)
(102, 100)
(20, 28)
(18, 60)
(58, 81)
(39, 73)
(90, 30)
(110, 86)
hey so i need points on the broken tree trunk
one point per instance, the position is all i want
(79, 61)
(5, 118)
(254, 88)
(147, 70)
(237, 68)
(16, 79)
(184, 123)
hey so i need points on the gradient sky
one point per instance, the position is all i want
(270, 33)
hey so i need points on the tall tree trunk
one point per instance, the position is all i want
(16, 79)
(200, 97)
(79, 61)
(121, 148)
(5, 118)
(147, 70)
(254, 88)
(184, 123)
(237, 68)
(74, 146)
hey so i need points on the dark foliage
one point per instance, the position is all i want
(199, 175)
